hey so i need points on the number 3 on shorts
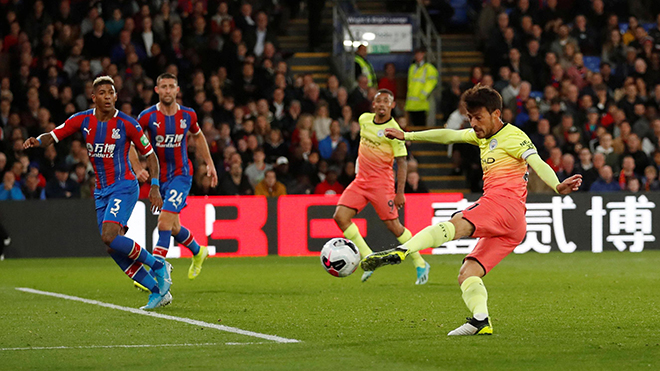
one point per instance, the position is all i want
(176, 198)
(115, 208)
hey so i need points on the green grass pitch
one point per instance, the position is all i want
(581, 311)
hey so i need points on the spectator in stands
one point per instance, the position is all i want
(634, 150)
(555, 159)
(614, 49)
(234, 182)
(587, 38)
(627, 171)
(364, 67)
(524, 71)
(322, 121)
(348, 175)
(269, 186)
(10, 189)
(633, 185)
(563, 38)
(510, 92)
(282, 171)
(414, 184)
(330, 142)
(650, 180)
(330, 185)
(486, 22)
(61, 186)
(422, 79)
(31, 189)
(388, 81)
(257, 37)
(589, 169)
(605, 182)
(257, 169)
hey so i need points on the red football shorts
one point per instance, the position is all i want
(356, 196)
(499, 224)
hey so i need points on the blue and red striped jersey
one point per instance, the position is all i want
(107, 143)
(168, 134)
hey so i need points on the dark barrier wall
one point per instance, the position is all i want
(299, 225)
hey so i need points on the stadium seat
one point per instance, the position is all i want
(592, 63)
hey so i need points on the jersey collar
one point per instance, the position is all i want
(497, 132)
(178, 107)
(382, 123)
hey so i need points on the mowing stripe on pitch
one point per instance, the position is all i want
(130, 346)
(163, 316)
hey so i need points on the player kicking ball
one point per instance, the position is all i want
(498, 217)
(108, 134)
(168, 125)
(374, 182)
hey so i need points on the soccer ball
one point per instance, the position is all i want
(340, 257)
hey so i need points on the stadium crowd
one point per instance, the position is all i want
(272, 132)
(581, 78)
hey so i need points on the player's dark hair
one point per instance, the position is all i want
(166, 75)
(103, 80)
(385, 91)
(482, 96)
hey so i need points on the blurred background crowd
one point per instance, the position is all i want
(581, 78)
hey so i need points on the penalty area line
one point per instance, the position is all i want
(129, 346)
(189, 321)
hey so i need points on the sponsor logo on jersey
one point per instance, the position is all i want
(144, 140)
(156, 124)
(169, 140)
(101, 150)
(87, 130)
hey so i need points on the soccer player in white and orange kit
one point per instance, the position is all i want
(374, 182)
(498, 217)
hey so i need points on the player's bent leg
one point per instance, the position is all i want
(135, 270)
(475, 297)
(166, 221)
(343, 217)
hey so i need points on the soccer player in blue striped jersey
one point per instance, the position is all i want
(168, 125)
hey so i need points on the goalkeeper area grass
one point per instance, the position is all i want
(579, 311)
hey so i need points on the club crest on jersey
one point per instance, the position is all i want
(115, 134)
(380, 133)
(183, 123)
(493, 144)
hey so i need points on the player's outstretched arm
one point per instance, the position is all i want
(444, 136)
(43, 140)
(202, 149)
(549, 177)
(154, 192)
(401, 173)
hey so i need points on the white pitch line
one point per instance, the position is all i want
(163, 316)
(129, 346)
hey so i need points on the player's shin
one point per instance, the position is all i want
(133, 251)
(431, 236)
(163, 244)
(475, 297)
(353, 234)
(135, 270)
(186, 238)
